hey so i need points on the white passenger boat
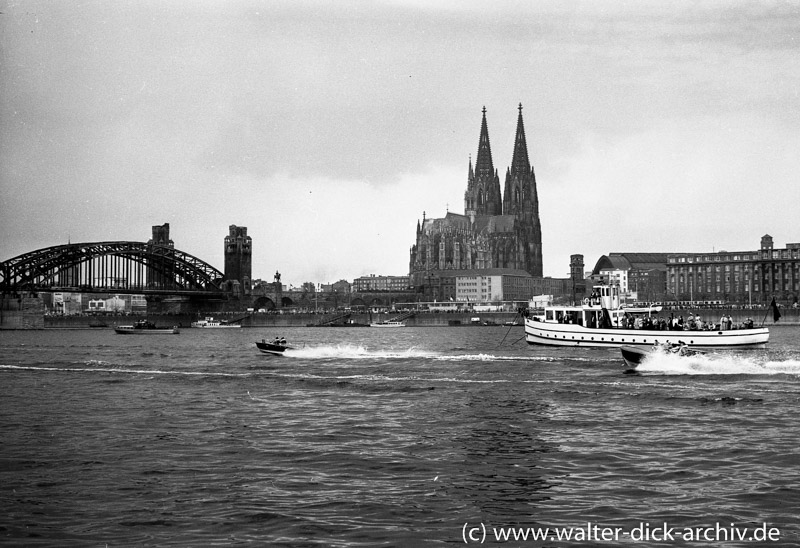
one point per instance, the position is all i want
(211, 323)
(388, 323)
(604, 322)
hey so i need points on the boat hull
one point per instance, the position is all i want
(387, 324)
(273, 349)
(557, 334)
(633, 355)
(131, 330)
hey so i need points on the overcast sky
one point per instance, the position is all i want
(327, 128)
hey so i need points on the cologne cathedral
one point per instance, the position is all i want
(496, 231)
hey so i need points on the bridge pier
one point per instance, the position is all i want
(21, 311)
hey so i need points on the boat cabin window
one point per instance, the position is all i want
(564, 316)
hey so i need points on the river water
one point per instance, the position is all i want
(391, 437)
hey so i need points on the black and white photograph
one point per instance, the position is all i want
(394, 273)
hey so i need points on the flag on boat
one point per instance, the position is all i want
(776, 314)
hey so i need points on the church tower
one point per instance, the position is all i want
(521, 199)
(519, 188)
(483, 185)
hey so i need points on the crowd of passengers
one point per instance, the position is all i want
(673, 323)
(692, 323)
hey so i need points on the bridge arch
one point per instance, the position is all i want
(264, 303)
(122, 267)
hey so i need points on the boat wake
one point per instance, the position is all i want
(97, 366)
(716, 364)
(354, 352)
(357, 352)
(490, 358)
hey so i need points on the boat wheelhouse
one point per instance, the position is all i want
(603, 321)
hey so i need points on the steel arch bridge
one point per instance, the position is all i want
(112, 267)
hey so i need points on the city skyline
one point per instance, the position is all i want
(327, 129)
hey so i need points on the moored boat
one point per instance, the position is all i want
(388, 323)
(211, 323)
(144, 327)
(604, 322)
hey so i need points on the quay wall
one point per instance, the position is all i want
(33, 318)
(21, 311)
(419, 320)
(271, 320)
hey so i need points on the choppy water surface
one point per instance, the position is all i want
(404, 437)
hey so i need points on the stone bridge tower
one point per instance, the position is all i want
(160, 272)
(238, 260)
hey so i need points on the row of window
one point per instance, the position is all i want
(771, 254)
(777, 286)
(747, 268)
(736, 278)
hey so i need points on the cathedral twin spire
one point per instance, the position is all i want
(483, 187)
(520, 162)
(484, 167)
(519, 195)
(499, 231)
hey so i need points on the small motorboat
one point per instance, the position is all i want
(635, 355)
(274, 348)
